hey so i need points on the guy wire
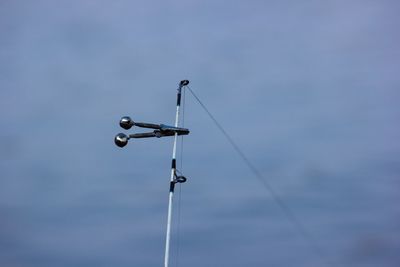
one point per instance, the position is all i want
(278, 200)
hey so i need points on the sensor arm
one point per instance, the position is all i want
(162, 133)
(161, 127)
(142, 135)
(148, 125)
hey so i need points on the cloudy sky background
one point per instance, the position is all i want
(308, 89)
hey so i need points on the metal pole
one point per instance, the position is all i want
(172, 180)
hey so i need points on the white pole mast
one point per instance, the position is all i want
(173, 178)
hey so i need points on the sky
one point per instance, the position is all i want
(309, 90)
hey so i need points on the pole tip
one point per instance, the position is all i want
(184, 82)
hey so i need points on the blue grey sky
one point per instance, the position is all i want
(308, 89)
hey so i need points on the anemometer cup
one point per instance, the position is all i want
(121, 140)
(126, 122)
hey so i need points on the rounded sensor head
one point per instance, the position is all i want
(126, 122)
(121, 140)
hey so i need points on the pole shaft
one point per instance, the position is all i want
(172, 182)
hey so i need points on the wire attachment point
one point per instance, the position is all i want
(184, 83)
(179, 178)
